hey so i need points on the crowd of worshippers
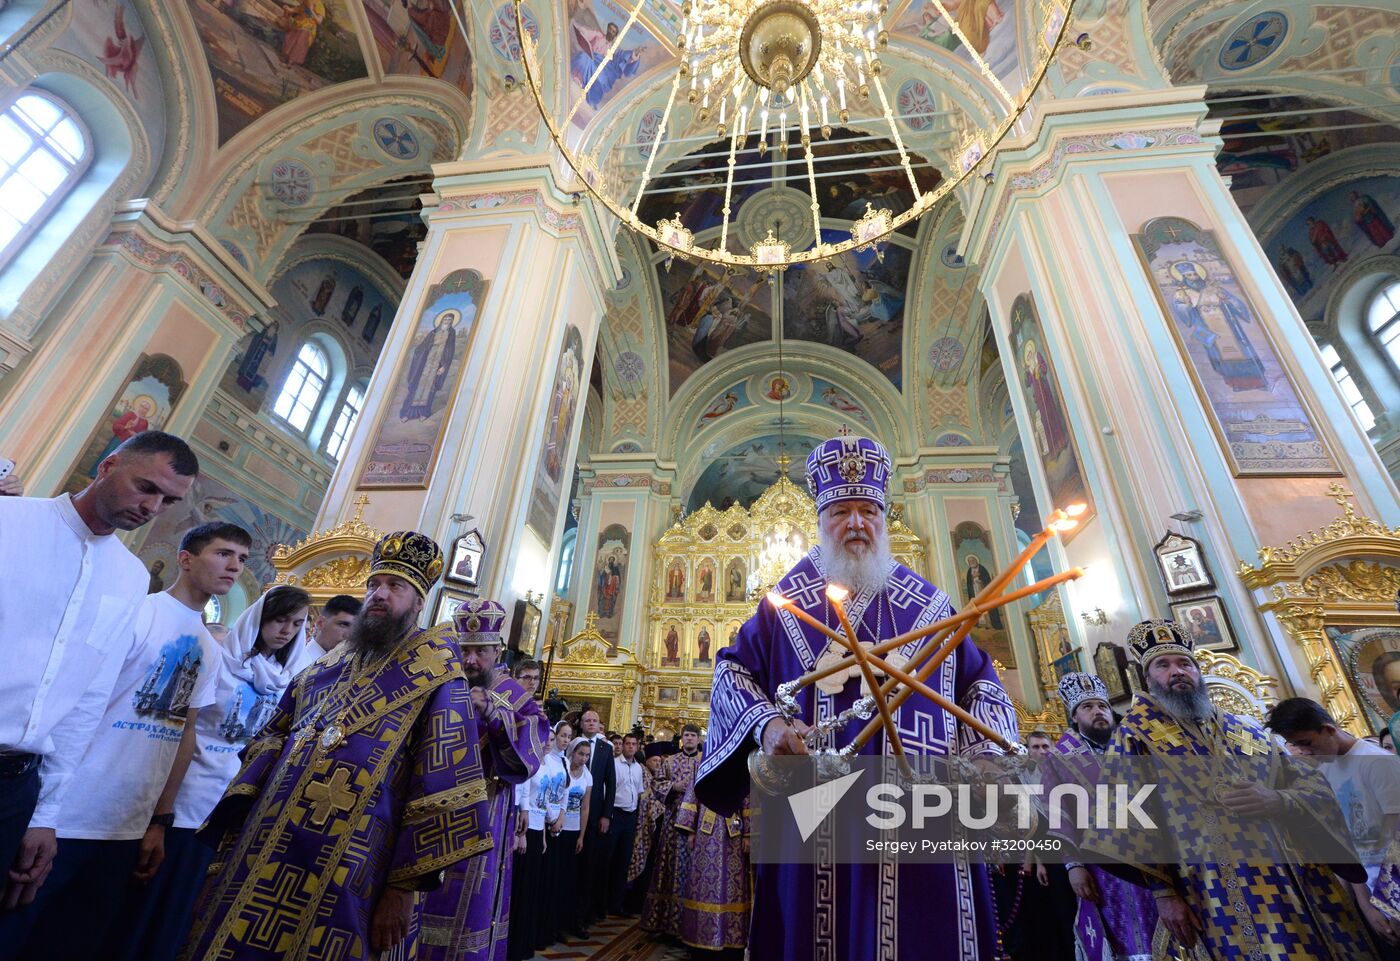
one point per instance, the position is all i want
(334, 786)
(353, 785)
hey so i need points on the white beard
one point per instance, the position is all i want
(869, 570)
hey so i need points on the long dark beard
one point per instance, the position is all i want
(1100, 738)
(377, 633)
(1195, 706)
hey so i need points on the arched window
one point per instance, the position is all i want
(43, 153)
(1383, 317)
(566, 562)
(302, 390)
(1342, 376)
(345, 421)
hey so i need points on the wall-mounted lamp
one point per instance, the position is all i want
(1095, 618)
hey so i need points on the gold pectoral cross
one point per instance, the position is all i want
(330, 797)
(432, 661)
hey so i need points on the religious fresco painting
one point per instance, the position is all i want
(406, 438)
(826, 393)
(211, 501)
(974, 562)
(988, 25)
(315, 289)
(708, 312)
(704, 645)
(880, 184)
(705, 576)
(1348, 224)
(853, 302)
(593, 25)
(1257, 413)
(552, 465)
(739, 474)
(693, 186)
(735, 581)
(1050, 426)
(675, 581)
(608, 596)
(421, 38)
(1028, 522)
(263, 54)
(1268, 139)
(145, 402)
(112, 37)
(395, 230)
(730, 399)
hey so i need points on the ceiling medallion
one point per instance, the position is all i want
(774, 76)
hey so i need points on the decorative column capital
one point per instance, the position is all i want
(1094, 129)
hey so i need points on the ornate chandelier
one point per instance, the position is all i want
(778, 76)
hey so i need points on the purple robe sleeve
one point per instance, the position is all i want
(517, 732)
(446, 816)
(740, 707)
(979, 692)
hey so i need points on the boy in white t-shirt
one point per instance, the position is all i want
(112, 819)
(1366, 780)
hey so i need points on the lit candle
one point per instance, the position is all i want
(837, 595)
(841, 91)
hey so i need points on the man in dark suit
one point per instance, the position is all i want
(598, 843)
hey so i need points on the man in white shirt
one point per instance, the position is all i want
(334, 622)
(111, 824)
(69, 592)
(598, 843)
(630, 783)
(1366, 780)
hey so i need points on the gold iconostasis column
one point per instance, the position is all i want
(473, 415)
(1157, 367)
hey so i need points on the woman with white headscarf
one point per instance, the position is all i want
(262, 652)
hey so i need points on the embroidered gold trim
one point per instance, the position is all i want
(461, 796)
(418, 869)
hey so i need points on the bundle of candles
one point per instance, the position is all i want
(941, 638)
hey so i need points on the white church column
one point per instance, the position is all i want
(476, 429)
(1151, 388)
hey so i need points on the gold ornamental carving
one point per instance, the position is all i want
(587, 672)
(329, 562)
(1342, 577)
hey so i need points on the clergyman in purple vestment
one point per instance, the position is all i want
(662, 911)
(1116, 920)
(363, 786)
(852, 912)
(716, 900)
(468, 918)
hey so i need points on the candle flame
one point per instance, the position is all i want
(837, 593)
(1065, 524)
(1076, 510)
(778, 600)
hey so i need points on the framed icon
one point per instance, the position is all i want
(524, 628)
(447, 604)
(467, 554)
(1206, 622)
(1182, 564)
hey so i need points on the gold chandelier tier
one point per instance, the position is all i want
(774, 76)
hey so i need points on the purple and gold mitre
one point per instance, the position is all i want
(1152, 639)
(1077, 687)
(479, 621)
(848, 468)
(408, 554)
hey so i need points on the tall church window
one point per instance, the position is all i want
(1344, 381)
(302, 390)
(43, 153)
(345, 421)
(1383, 317)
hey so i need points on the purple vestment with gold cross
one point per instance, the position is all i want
(854, 912)
(368, 775)
(1250, 910)
(468, 918)
(1121, 926)
(715, 899)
